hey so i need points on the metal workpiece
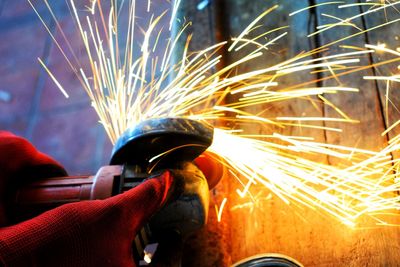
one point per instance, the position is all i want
(268, 260)
(162, 143)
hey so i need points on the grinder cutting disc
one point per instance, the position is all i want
(162, 142)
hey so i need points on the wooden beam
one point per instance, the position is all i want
(363, 106)
(268, 225)
(209, 246)
(389, 94)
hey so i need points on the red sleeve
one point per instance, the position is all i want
(87, 233)
(21, 162)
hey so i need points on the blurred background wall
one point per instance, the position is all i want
(30, 104)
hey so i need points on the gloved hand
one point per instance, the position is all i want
(20, 163)
(86, 233)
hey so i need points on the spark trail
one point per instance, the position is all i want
(128, 83)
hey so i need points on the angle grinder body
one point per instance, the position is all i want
(140, 153)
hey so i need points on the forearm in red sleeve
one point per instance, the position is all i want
(88, 233)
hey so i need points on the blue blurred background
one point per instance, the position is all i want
(30, 104)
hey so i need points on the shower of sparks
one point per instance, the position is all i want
(127, 87)
(362, 188)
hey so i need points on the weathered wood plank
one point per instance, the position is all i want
(269, 225)
(365, 105)
(387, 35)
(238, 15)
(377, 247)
(209, 246)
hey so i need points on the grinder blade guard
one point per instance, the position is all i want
(162, 143)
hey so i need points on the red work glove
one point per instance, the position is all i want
(87, 233)
(20, 163)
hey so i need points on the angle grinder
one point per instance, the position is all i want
(141, 152)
